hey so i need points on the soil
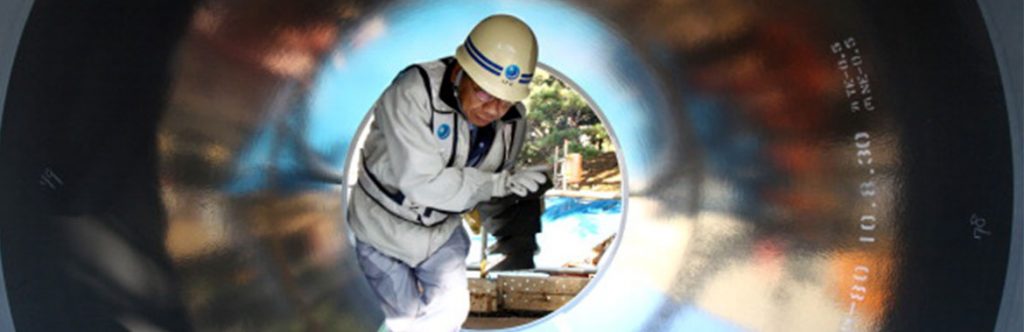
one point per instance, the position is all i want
(601, 174)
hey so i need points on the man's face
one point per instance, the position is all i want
(480, 107)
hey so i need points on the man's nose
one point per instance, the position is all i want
(484, 97)
(491, 109)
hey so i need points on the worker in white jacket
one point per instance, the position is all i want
(444, 139)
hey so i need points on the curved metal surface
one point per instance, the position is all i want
(791, 165)
(14, 14)
(1005, 22)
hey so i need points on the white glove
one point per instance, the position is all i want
(520, 183)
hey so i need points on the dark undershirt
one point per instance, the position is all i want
(480, 143)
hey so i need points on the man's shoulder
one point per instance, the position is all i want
(433, 68)
(413, 74)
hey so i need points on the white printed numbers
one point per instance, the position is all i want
(856, 60)
(979, 226)
(856, 82)
(862, 140)
(865, 104)
(49, 179)
(858, 293)
(863, 143)
(867, 189)
(850, 43)
(863, 84)
(864, 157)
(868, 223)
(861, 273)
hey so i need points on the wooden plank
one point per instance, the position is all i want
(521, 301)
(523, 293)
(491, 323)
(546, 285)
(483, 295)
(538, 293)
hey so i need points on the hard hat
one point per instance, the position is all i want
(500, 54)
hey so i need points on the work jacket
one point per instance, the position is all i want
(413, 180)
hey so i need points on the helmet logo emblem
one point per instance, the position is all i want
(444, 131)
(512, 72)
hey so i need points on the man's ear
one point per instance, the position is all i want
(455, 72)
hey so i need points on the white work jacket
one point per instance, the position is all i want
(413, 179)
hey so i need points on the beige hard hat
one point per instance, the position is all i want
(500, 54)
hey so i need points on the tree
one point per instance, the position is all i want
(557, 114)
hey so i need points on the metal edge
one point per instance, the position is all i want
(1003, 19)
(624, 197)
(14, 15)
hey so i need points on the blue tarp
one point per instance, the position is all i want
(571, 227)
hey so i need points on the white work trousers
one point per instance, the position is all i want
(433, 296)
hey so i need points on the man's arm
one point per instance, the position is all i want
(491, 208)
(422, 175)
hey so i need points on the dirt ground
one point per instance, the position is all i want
(601, 174)
(484, 323)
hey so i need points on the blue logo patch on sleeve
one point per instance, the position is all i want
(444, 131)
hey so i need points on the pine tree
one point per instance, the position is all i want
(556, 114)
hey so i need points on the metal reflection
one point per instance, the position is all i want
(789, 165)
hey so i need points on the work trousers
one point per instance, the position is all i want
(432, 296)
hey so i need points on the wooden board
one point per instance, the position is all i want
(538, 293)
(483, 295)
(523, 293)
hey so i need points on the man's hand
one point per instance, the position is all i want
(522, 183)
(525, 182)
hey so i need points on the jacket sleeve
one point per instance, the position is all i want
(403, 112)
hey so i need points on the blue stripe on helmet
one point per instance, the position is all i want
(482, 60)
(526, 78)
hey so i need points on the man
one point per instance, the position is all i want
(444, 139)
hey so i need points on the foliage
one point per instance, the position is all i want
(559, 115)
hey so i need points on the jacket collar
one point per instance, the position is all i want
(515, 113)
(447, 86)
